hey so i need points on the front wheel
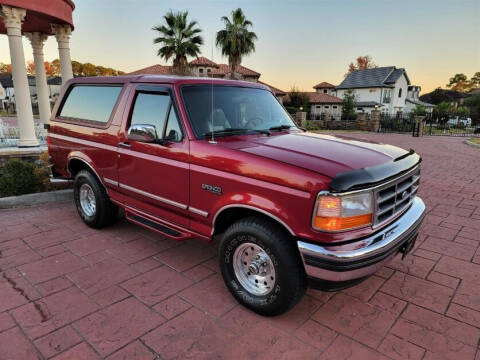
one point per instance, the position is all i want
(261, 266)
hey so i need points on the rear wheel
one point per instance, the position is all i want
(261, 266)
(92, 202)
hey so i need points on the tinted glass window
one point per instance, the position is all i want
(173, 131)
(91, 103)
(219, 108)
(151, 109)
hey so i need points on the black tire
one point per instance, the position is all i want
(106, 212)
(290, 280)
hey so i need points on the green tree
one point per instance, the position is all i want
(179, 38)
(459, 82)
(462, 112)
(443, 111)
(348, 105)
(236, 40)
(473, 104)
(298, 99)
(419, 110)
(56, 66)
(77, 68)
(475, 80)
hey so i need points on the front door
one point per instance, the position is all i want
(154, 176)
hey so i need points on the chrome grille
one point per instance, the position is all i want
(395, 196)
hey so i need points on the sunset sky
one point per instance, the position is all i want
(299, 42)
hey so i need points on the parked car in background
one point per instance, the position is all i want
(460, 121)
(199, 158)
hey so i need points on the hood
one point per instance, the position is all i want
(325, 154)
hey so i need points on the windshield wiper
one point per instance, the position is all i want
(281, 127)
(234, 131)
(286, 127)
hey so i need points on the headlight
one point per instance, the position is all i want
(342, 212)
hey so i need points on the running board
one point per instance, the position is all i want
(156, 226)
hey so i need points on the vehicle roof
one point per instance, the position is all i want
(163, 79)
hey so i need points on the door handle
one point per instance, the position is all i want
(124, 144)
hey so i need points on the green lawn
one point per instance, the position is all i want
(475, 140)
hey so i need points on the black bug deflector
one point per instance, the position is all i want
(373, 175)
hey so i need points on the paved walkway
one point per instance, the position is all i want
(69, 292)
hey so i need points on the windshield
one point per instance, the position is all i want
(232, 110)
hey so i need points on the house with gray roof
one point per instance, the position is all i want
(413, 100)
(384, 88)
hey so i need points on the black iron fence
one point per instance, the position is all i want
(435, 125)
(452, 127)
(397, 123)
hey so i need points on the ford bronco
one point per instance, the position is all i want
(199, 157)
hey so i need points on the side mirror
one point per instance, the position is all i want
(142, 133)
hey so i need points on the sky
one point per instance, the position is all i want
(300, 43)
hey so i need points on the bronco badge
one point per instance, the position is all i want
(217, 190)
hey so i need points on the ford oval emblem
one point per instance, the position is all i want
(404, 194)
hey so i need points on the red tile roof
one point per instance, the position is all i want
(320, 98)
(220, 69)
(154, 70)
(275, 90)
(224, 69)
(203, 61)
(324, 85)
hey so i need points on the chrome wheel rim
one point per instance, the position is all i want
(254, 269)
(87, 200)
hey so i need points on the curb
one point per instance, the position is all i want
(36, 198)
(469, 143)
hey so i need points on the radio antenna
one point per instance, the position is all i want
(212, 140)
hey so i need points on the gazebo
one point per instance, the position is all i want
(36, 19)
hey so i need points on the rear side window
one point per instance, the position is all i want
(92, 103)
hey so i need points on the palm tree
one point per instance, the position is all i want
(179, 39)
(236, 40)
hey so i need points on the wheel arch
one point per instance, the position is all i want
(228, 214)
(77, 163)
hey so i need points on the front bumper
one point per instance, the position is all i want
(358, 259)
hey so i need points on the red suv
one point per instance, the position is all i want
(199, 157)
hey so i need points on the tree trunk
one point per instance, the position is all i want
(233, 62)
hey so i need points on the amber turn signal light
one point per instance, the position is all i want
(342, 212)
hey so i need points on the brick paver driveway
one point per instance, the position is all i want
(70, 292)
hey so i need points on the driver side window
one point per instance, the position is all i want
(151, 109)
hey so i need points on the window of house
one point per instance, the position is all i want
(100, 99)
(334, 106)
(200, 71)
(317, 106)
(400, 92)
(209, 70)
(325, 91)
(387, 95)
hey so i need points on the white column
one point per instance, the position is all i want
(37, 39)
(62, 34)
(13, 17)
